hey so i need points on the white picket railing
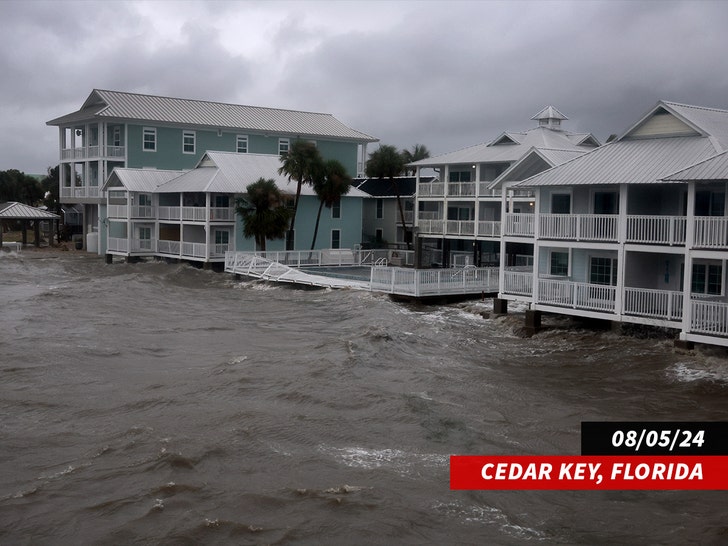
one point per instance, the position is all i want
(661, 304)
(517, 282)
(711, 232)
(460, 227)
(519, 224)
(659, 230)
(709, 317)
(489, 228)
(431, 189)
(434, 282)
(461, 189)
(168, 213)
(579, 227)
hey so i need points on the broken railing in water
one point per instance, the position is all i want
(383, 278)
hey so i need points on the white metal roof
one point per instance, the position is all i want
(132, 106)
(549, 113)
(144, 180)
(230, 172)
(505, 152)
(627, 162)
(20, 211)
(714, 168)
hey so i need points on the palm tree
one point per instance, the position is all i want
(330, 186)
(387, 162)
(419, 151)
(264, 213)
(300, 163)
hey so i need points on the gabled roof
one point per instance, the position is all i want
(143, 180)
(627, 161)
(117, 105)
(686, 120)
(714, 168)
(13, 210)
(230, 172)
(549, 113)
(536, 160)
(382, 187)
(671, 137)
(511, 146)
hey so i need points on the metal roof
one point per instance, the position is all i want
(382, 187)
(506, 152)
(230, 172)
(145, 180)
(13, 210)
(714, 168)
(627, 162)
(132, 106)
(711, 120)
(549, 113)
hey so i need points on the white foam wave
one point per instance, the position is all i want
(709, 370)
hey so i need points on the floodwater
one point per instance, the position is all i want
(156, 403)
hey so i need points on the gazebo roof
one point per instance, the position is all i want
(18, 211)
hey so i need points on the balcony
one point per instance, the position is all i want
(431, 189)
(93, 152)
(461, 189)
(138, 246)
(460, 227)
(520, 224)
(579, 227)
(82, 192)
(134, 211)
(657, 230)
(465, 228)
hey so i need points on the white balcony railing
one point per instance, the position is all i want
(594, 297)
(80, 191)
(194, 250)
(709, 317)
(460, 227)
(711, 232)
(519, 224)
(117, 244)
(93, 152)
(518, 282)
(225, 214)
(433, 227)
(194, 214)
(431, 189)
(579, 227)
(168, 247)
(489, 228)
(661, 304)
(461, 189)
(658, 230)
(168, 213)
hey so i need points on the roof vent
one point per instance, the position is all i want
(549, 117)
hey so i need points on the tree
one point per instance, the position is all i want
(18, 186)
(330, 185)
(301, 163)
(264, 213)
(50, 185)
(419, 151)
(387, 162)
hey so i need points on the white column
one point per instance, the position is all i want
(621, 254)
(688, 267)
(537, 244)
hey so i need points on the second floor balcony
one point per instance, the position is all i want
(709, 231)
(187, 214)
(93, 152)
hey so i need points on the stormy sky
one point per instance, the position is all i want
(445, 74)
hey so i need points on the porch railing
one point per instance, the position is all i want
(590, 227)
(461, 189)
(194, 214)
(93, 151)
(489, 228)
(518, 282)
(80, 191)
(662, 304)
(168, 213)
(431, 189)
(460, 227)
(660, 230)
(711, 232)
(709, 317)
(431, 282)
(578, 295)
(519, 224)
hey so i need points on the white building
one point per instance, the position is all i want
(634, 231)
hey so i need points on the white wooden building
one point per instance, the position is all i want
(634, 231)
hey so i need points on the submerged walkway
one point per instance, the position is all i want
(416, 283)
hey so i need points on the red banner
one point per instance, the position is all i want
(589, 472)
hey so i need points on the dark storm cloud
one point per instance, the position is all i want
(445, 74)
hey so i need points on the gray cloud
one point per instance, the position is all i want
(446, 74)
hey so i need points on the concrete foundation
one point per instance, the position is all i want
(533, 322)
(500, 306)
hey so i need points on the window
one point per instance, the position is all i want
(222, 201)
(149, 139)
(284, 144)
(561, 203)
(145, 200)
(116, 138)
(606, 202)
(188, 142)
(145, 238)
(241, 144)
(559, 265)
(336, 209)
(335, 238)
(459, 176)
(380, 209)
(709, 203)
(707, 279)
(379, 235)
(222, 237)
(603, 271)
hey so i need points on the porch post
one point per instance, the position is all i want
(688, 259)
(621, 254)
(503, 256)
(208, 215)
(536, 244)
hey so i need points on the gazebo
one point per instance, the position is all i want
(18, 211)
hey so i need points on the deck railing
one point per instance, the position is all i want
(433, 282)
(518, 282)
(659, 230)
(578, 295)
(519, 224)
(662, 304)
(93, 151)
(460, 227)
(489, 228)
(461, 189)
(579, 227)
(709, 317)
(80, 191)
(431, 189)
(168, 247)
(168, 213)
(194, 214)
(432, 226)
(711, 232)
